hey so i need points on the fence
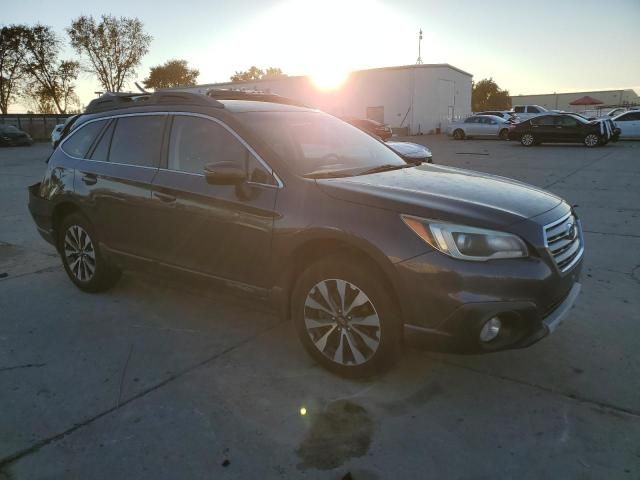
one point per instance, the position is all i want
(39, 126)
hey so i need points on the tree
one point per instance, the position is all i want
(115, 47)
(37, 99)
(48, 77)
(254, 73)
(12, 54)
(174, 73)
(486, 95)
(273, 73)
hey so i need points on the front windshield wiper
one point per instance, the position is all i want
(385, 168)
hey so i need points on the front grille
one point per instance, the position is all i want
(563, 240)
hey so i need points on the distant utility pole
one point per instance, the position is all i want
(419, 61)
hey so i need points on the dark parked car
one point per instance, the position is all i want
(358, 248)
(563, 128)
(11, 136)
(370, 126)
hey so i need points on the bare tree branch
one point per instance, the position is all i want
(114, 47)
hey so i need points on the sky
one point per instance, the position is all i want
(527, 47)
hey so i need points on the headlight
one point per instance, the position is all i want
(467, 243)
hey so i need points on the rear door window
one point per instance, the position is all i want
(78, 144)
(544, 120)
(629, 117)
(101, 150)
(519, 109)
(533, 110)
(566, 122)
(137, 140)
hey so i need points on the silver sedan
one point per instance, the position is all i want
(479, 126)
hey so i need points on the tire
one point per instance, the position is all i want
(458, 134)
(368, 330)
(84, 263)
(527, 139)
(591, 140)
(504, 134)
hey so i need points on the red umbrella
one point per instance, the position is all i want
(586, 100)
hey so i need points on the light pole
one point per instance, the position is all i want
(419, 61)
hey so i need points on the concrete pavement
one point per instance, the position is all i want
(160, 380)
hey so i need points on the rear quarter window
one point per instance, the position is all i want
(78, 143)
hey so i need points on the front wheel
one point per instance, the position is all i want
(345, 318)
(504, 134)
(81, 256)
(458, 134)
(591, 140)
(527, 139)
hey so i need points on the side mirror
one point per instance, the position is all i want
(224, 173)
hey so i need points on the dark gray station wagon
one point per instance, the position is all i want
(361, 250)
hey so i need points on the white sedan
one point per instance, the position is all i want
(629, 124)
(479, 126)
(55, 134)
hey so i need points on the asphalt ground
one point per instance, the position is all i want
(157, 379)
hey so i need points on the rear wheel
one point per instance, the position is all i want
(458, 134)
(504, 134)
(345, 317)
(591, 140)
(81, 256)
(527, 139)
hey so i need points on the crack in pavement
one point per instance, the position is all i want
(569, 396)
(26, 365)
(34, 272)
(629, 235)
(577, 170)
(7, 461)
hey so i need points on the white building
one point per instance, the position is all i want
(562, 101)
(420, 98)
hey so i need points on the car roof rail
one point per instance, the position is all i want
(253, 95)
(118, 100)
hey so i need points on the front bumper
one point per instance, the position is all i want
(450, 300)
(532, 327)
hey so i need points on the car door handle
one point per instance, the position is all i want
(90, 178)
(163, 197)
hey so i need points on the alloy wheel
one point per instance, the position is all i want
(342, 322)
(79, 253)
(527, 139)
(458, 135)
(591, 140)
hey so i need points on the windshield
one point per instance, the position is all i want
(315, 144)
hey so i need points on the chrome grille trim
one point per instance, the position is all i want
(565, 248)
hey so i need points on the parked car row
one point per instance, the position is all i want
(550, 127)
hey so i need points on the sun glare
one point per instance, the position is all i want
(329, 79)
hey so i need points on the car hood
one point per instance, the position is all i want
(445, 193)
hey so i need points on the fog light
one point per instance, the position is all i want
(490, 330)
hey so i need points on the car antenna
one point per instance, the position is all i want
(140, 88)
